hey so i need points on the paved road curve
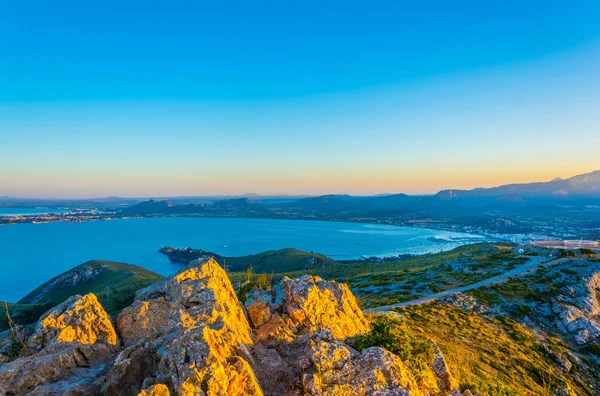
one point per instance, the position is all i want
(532, 263)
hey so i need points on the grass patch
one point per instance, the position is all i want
(492, 356)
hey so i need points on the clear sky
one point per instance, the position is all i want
(142, 98)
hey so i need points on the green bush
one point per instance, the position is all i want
(391, 333)
(485, 297)
(262, 281)
(520, 311)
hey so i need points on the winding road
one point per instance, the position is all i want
(532, 263)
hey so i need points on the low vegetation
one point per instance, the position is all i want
(251, 280)
(495, 356)
(381, 282)
(20, 314)
(391, 333)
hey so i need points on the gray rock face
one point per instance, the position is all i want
(576, 308)
(446, 382)
(54, 363)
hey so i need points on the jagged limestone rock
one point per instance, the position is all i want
(76, 334)
(77, 319)
(83, 381)
(146, 318)
(303, 306)
(578, 308)
(190, 330)
(316, 304)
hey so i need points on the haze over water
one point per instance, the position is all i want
(33, 254)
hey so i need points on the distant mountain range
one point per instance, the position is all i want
(582, 189)
(570, 206)
(577, 186)
(566, 207)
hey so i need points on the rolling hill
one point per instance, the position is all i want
(114, 283)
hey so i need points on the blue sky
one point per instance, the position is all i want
(191, 98)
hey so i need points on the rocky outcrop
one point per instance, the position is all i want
(67, 340)
(304, 306)
(144, 319)
(445, 381)
(578, 308)
(337, 369)
(562, 298)
(189, 335)
(78, 319)
(190, 332)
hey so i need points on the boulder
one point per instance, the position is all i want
(77, 319)
(68, 339)
(315, 304)
(54, 363)
(146, 318)
(337, 369)
(259, 313)
(304, 306)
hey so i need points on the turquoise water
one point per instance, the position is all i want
(34, 253)
(27, 211)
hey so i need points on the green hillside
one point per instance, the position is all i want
(115, 284)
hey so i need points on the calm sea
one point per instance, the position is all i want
(31, 254)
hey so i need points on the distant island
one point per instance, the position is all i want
(283, 260)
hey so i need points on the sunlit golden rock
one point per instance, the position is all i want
(78, 319)
(316, 304)
(259, 313)
(155, 390)
(445, 380)
(191, 330)
(339, 370)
